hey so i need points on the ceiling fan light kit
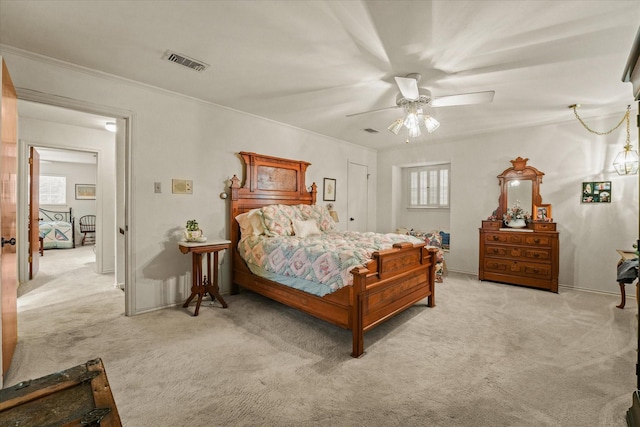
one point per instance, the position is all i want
(414, 99)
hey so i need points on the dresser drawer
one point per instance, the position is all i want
(537, 240)
(511, 238)
(518, 252)
(543, 226)
(518, 268)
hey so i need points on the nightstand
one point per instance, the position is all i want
(203, 284)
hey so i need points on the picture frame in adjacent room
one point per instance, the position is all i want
(85, 191)
(329, 190)
(596, 192)
(542, 213)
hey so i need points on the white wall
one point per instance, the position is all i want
(177, 137)
(568, 155)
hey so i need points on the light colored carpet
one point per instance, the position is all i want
(487, 355)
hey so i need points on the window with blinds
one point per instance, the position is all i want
(428, 186)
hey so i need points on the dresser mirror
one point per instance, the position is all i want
(519, 184)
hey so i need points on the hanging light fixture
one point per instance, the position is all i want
(627, 161)
(413, 121)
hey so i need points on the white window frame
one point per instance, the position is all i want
(64, 188)
(428, 187)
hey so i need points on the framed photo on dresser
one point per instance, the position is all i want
(542, 213)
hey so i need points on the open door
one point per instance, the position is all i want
(34, 212)
(8, 195)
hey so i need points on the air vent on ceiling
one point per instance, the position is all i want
(371, 130)
(185, 61)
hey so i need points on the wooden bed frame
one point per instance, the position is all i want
(392, 281)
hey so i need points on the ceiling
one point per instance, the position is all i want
(310, 63)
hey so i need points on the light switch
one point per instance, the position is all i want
(157, 187)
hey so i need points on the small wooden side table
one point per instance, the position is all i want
(208, 283)
(625, 255)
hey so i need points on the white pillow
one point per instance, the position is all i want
(250, 223)
(246, 228)
(305, 228)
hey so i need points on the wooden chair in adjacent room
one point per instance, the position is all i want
(87, 225)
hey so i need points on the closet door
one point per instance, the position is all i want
(358, 198)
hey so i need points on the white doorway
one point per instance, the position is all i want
(110, 150)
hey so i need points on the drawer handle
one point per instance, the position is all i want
(536, 254)
(536, 240)
(495, 250)
(496, 238)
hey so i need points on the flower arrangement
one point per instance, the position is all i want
(515, 213)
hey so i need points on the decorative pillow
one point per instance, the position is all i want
(322, 217)
(305, 228)
(277, 220)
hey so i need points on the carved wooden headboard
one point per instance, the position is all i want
(268, 181)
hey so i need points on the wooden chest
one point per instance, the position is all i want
(79, 396)
(528, 257)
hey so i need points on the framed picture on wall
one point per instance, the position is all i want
(329, 190)
(596, 192)
(85, 191)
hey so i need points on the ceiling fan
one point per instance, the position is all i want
(413, 98)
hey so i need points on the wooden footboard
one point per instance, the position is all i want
(392, 281)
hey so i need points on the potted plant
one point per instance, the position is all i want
(192, 231)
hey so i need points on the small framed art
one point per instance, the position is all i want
(596, 192)
(542, 213)
(85, 191)
(329, 190)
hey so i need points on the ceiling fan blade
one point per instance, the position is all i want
(408, 87)
(463, 99)
(373, 111)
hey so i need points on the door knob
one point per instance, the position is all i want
(11, 241)
(352, 219)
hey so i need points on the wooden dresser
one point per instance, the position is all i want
(527, 257)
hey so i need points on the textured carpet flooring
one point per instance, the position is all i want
(487, 355)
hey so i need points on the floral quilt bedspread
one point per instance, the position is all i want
(318, 264)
